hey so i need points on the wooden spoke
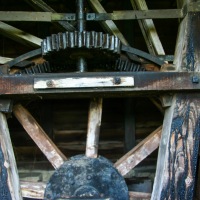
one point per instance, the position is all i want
(53, 154)
(19, 35)
(94, 123)
(4, 60)
(8, 169)
(139, 152)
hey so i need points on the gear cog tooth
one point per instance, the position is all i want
(71, 40)
(54, 43)
(88, 40)
(49, 48)
(80, 40)
(84, 36)
(76, 37)
(105, 41)
(111, 43)
(44, 47)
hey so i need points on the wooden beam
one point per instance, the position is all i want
(36, 190)
(178, 152)
(53, 154)
(9, 179)
(41, 5)
(4, 60)
(108, 25)
(139, 195)
(33, 190)
(148, 29)
(94, 123)
(19, 35)
(125, 164)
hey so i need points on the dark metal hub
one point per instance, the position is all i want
(86, 178)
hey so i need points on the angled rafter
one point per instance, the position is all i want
(148, 29)
(109, 25)
(50, 150)
(19, 35)
(125, 164)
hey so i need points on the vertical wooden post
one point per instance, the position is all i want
(94, 123)
(178, 152)
(9, 180)
(129, 124)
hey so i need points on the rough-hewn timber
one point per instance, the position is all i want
(177, 160)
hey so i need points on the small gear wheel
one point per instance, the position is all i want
(95, 47)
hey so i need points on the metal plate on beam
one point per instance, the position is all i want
(89, 82)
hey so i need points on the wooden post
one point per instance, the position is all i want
(129, 124)
(9, 179)
(50, 150)
(94, 123)
(178, 152)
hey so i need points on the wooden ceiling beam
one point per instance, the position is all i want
(41, 5)
(148, 30)
(19, 35)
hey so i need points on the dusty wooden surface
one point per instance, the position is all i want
(50, 150)
(9, 179)
(177, 159)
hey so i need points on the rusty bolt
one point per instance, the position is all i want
(117, 80)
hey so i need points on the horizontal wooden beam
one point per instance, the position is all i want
(125, 164)
(150, 83)
(116, 15)
(35, 131)
(36, 190)
(41, 5)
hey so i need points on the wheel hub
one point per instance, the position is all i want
(86, 178)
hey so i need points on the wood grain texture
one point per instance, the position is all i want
(125, 164)
(94, 123)
(178, 152)
(50, 150)
(9, 179)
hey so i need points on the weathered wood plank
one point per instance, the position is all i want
(139, 196)
(33, 189)
(148, 30)
(9, 179)
(19, 35)
(41, 5)
(177, 159)
(139, 152)
(94, 123)
(41, 83)
(53, 154)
